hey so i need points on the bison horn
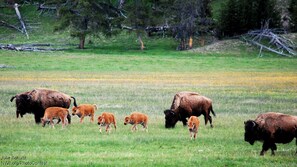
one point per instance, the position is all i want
(254, 123)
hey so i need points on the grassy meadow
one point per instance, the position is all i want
(241, 85)
(119, 78)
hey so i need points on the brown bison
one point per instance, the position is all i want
(137, 118)
(271, 128)
(37, 100)
(84, 110)
(193, 126)
(55, 112)
(186, 104)
(105, 119)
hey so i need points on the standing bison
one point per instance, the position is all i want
(186, 104)
(37, 100)
(271, 128)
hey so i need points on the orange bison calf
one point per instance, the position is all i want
(84, 110)
(193, 125)
(137, 118)
(105, 119)
(55, 112)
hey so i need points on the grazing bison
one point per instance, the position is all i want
(271, 128)
(37, 100)
(186, 104)
(55, 112)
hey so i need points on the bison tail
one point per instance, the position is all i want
(95, 106)
(74, 102)
(12, 98)
(214, 114)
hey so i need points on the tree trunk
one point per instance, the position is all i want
(20, 19)
(190, 42)
(140, 41)
(82, 39)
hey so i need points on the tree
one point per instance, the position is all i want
(239, 16)
(139, 16)
(88, 17)
(188, 16)
(293, 13)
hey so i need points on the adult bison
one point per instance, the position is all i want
(271, 128)
(37, 100)
(186, 104)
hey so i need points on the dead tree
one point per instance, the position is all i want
(267, 39)
(24, 30)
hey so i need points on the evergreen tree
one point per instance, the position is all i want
(239, 16)
(88, 17)
(293, 13)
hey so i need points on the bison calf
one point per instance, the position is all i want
(84, 110)
(271, 128)
(105, 119)
(55, 112)
(193, 125)
(137, 118)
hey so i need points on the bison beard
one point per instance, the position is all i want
(37, 100)
(271, 128)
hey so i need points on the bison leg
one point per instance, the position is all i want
(273, 147)
(92, 118)
(210, 121)
(184, 120)
(69, 118)
(266, 145)
(52, 123)
(37, 118)
(81, 119)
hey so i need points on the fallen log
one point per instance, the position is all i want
(267, 39)
(30, 47)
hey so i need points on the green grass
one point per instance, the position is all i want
(119, 78)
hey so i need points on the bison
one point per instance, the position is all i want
(271, 128)
(193, 126)
(137, 118)
(186, 104)
(55, 112)
(105, 119)
(37, 100)
(84, 110)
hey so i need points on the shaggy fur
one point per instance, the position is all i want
(55, 113)
(84, 110)
(186, 106)
(105, 119)
(271, 128)
(193, 125)
(37, 100)
(137, 118)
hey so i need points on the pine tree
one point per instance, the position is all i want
(88, 17)
(293, 13)
(240, 16)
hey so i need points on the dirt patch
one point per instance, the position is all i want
(231, 45)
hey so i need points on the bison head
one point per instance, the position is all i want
(251, 131)
(23, 104)
(171, 118)
(75, 111)
(101, 120)
(128, 120)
